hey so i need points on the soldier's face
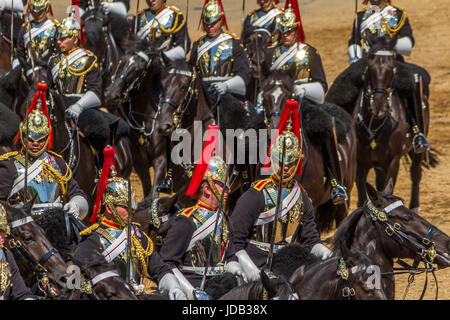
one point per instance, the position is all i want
(36, 146)
(210, 198)
(265, 4)
(213, 29)
(155, 4)
(288, 37)
(376, 2)
(288, 169)
(66, 44)
(39, 15)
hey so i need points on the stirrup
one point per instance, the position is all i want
(338, 193)
(420, 143)
(166, 186)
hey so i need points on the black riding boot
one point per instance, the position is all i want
(167, 184)
(420, 142)
(338, 191)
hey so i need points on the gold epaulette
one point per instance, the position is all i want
(187, 212)
(200, 38)
(259, 185)
(136, 224)
(273, 45)
(89, 53)
(55, 154)
(89, 230)
(175, 9)
(233, 35)
(24, 24)
(361, 10)
(252, 12)
(8, 155)
(141, 11)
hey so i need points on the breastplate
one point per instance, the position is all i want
(107, 237)
(218, 61)
(298, 65)
(379, 27)
(270, 25)
(43, 186)
(286, 225)
(199, 253)
(72, 81)
(41, 43)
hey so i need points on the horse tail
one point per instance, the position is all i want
(433, 159)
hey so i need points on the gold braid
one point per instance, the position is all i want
(59, 178)
(77, 72)
(141, 254)
(392, 31)
(174, 29)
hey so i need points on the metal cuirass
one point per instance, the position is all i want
(155, 29)
(286, 225)
(42, 39)
(298, 66)
(43, 187)
(107, 236)
(217, 61)
(268, 24)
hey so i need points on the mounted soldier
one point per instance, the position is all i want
(36, 42)
(114, 236)
(197, 239)
(381, 18)
(266, 17)
(115, 7)
(37, 172)
(12, 285)
(303, 64)
(276, 211)
(219, 56)
(164, 25)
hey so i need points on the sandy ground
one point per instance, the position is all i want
(328, 24)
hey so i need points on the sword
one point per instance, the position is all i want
(277, 210)
(136, 19)
(187, 15)
(243, 10)
(128, 272)
(219, 213)
(356, 24)
(12, 32)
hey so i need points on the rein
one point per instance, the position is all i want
(424, 247)
(87, 286)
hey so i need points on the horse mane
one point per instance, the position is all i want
(14, 213)
(178, 64)
(346, 231)
(289, 258)
(133, 44)
(279, 75)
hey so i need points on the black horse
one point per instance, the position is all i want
(384, 229)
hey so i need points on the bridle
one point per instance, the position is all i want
(37, 266)
(88, 286)
(368, 94)
(273, 83)
(423, 246)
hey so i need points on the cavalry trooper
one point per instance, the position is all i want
(266, 17)
(200, 232)
(36, 40)
(12, 285)
(166, 25)
(302, 62)
(109, 237)
(252, 220)
(382, 18)
(220, 56)
(74, 71)
(37, 172)
(116, 7)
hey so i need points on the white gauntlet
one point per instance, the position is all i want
(320, 251)
(170, 285)
(251, 271)
(312, 90)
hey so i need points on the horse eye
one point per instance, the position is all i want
(28, 238)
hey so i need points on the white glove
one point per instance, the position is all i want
(220, 87)
(251, 271)
(299, 91)
(404, 46)
(114, 7)
(235, 268)
(320, 251)
(312, 90)
(74, 111)
(171, 286)
(72, 208)
(354, 53)
(176, 53)
(17, 5)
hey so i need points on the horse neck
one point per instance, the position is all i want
(199, 106)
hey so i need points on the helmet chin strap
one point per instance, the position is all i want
(117, 217)
(287, 179)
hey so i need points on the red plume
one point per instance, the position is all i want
(224, 19)
(108, 161)
(203, 163)
(295, 8)
(290, 112)
(41, 94)
(76, 9)
(277, 1)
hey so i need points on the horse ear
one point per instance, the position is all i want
(297, 276)
(268, 284)
(371, 192)
(348, 255)
(389, 188)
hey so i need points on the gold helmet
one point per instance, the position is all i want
(38, 130)
(116, 194)
(213, 11)
(288, 20)
(69, 27)
(293, 153)
(3, 220)
(39, 5)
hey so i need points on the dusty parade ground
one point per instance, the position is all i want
(327, 25)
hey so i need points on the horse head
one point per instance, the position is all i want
(276, 88)
(256, 42)
(421, 239)
(34, 252)
(381, 71)
(176, 82)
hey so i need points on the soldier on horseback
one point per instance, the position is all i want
(36, 41)
(266, 17)
(302, 62)
(381, 18)
(255, 233)
(114, 236)
(198, 236)
(12, 285)
(166, 25)
(37, 172)
(219, 55)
